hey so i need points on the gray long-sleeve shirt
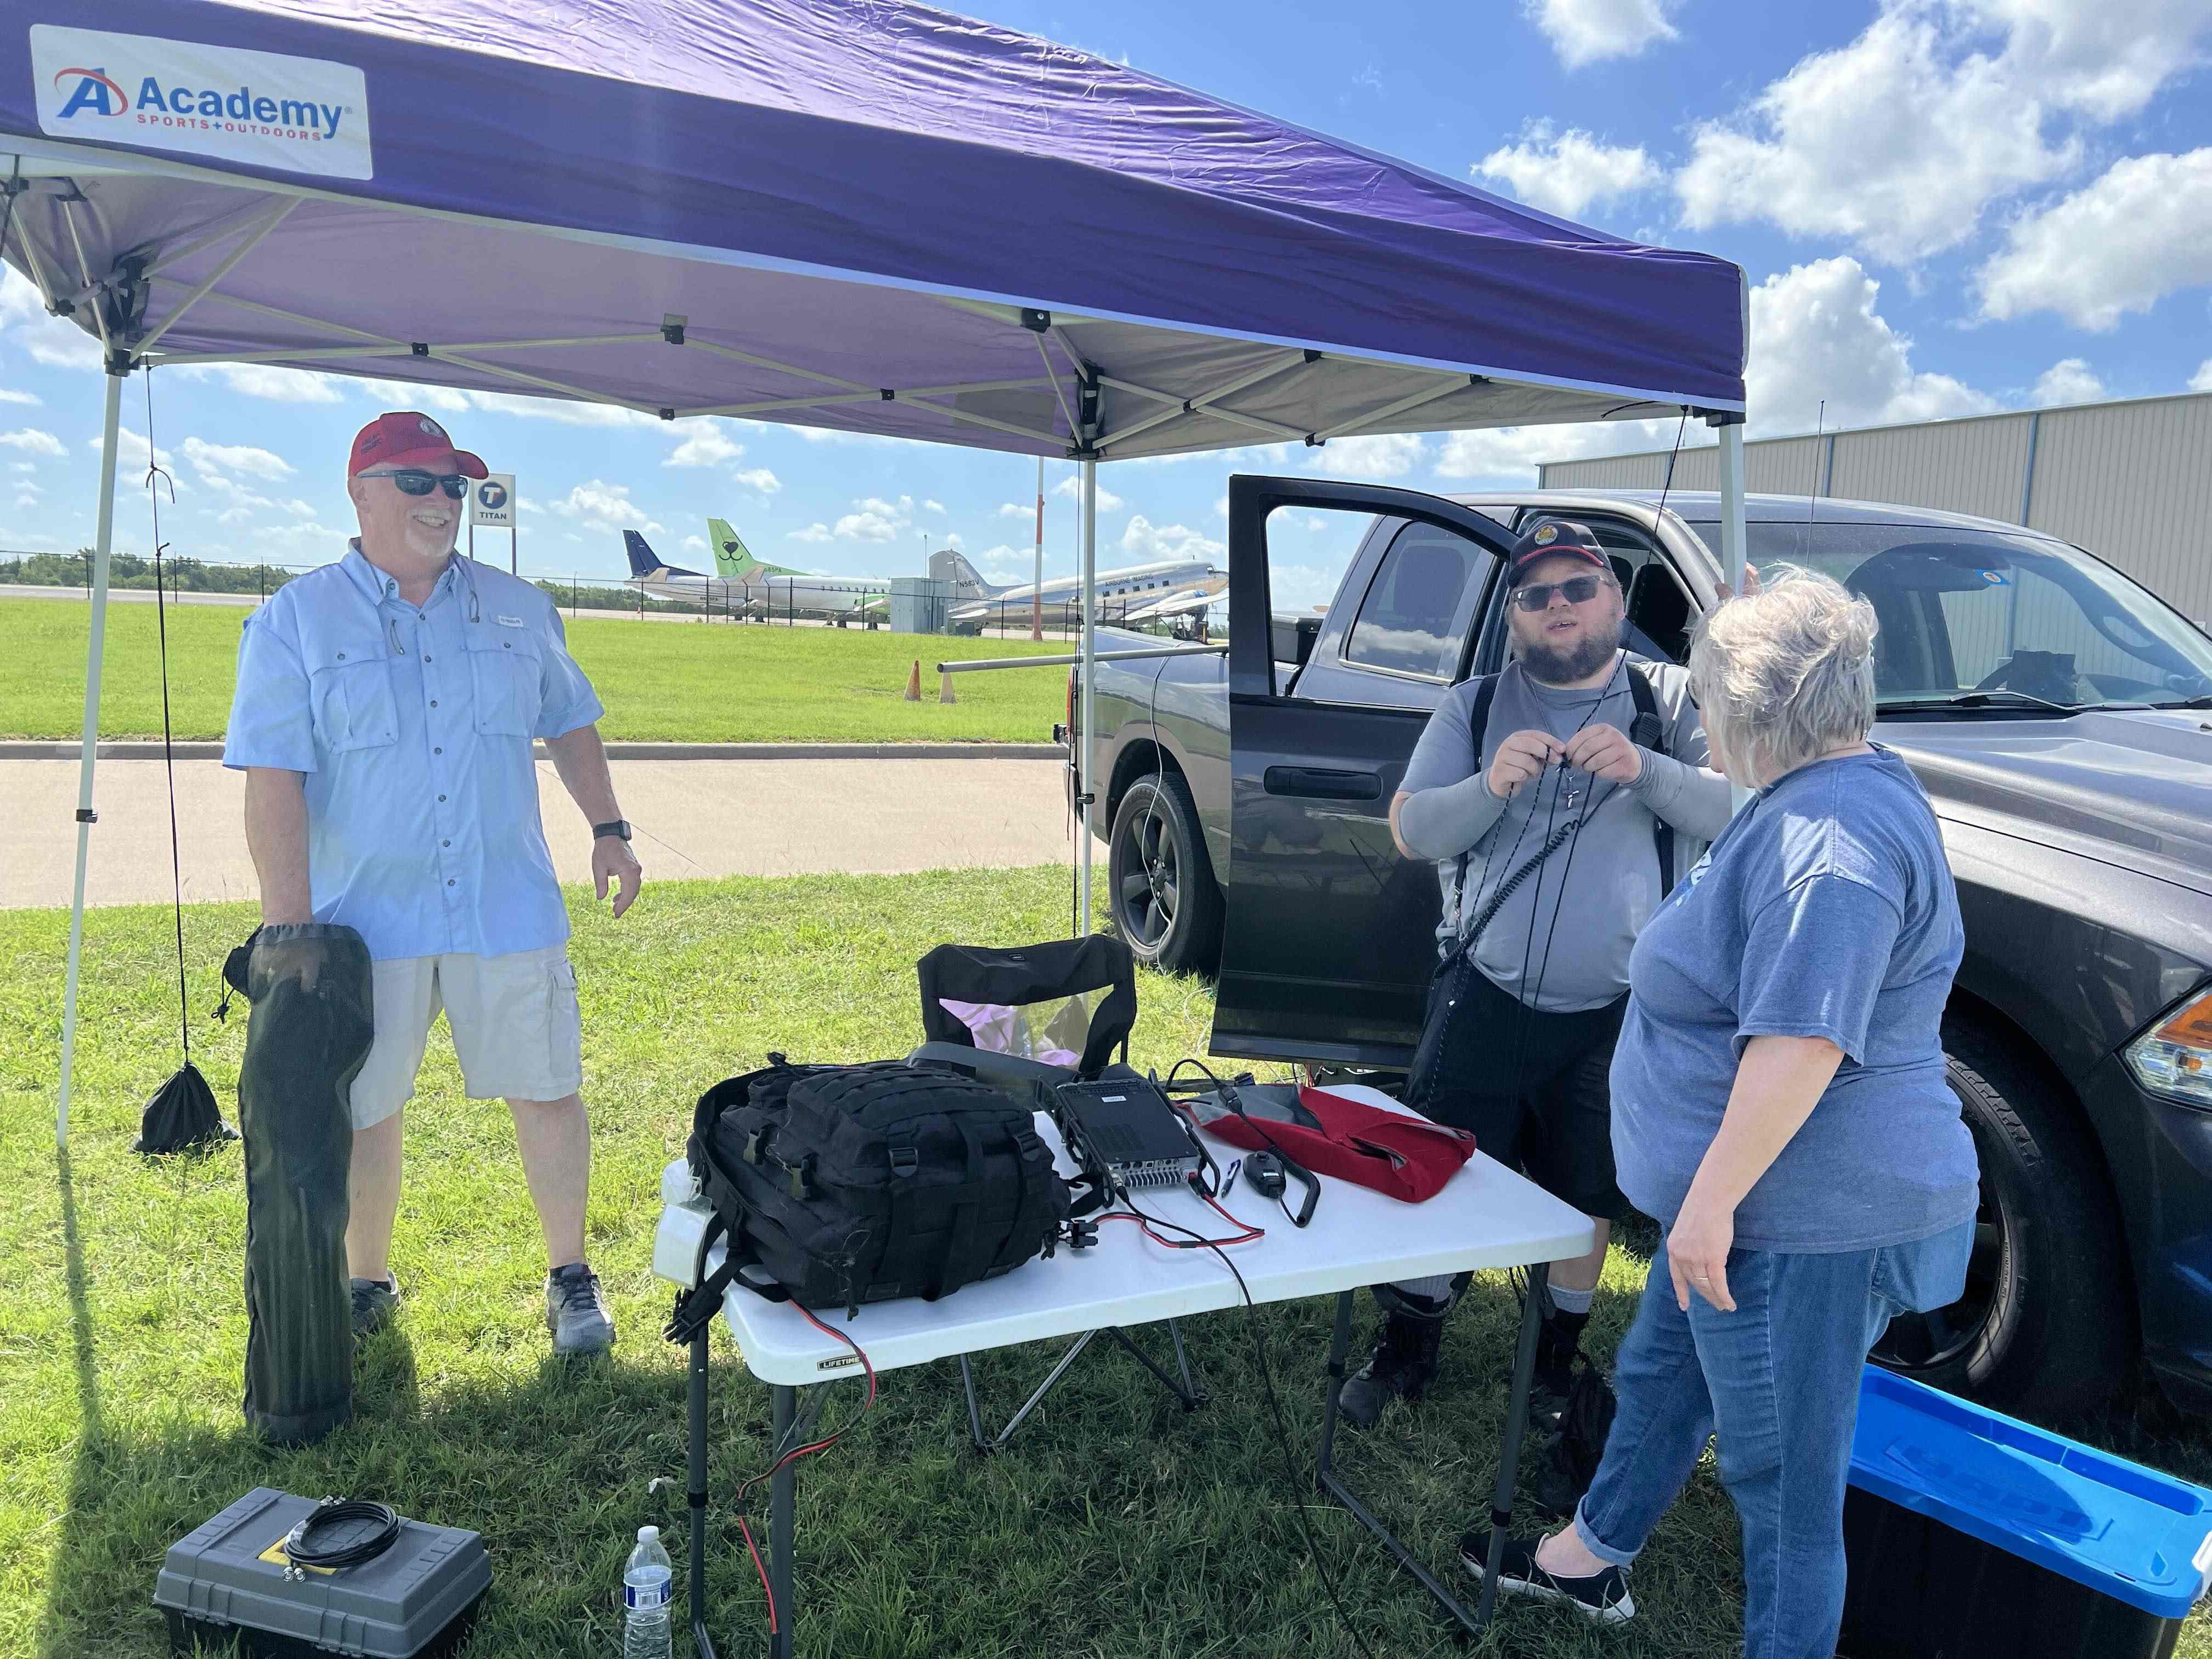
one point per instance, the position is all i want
(1560, 941)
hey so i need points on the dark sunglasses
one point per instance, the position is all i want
(413, 481)
(1575, 590)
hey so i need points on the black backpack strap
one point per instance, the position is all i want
(966, 1253)
(1650, 732)
(695, 1307)
(1478, 724)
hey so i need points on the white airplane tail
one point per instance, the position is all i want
(949, 565)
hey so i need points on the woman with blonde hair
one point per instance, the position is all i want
(1780, 1105)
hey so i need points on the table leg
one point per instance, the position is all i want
(1186, 1391)
(1339, 1344)
(1516, 1420)
(993, 1443)
(783, 1491)
(703, 1645)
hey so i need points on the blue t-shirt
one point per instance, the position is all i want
(1824, 909)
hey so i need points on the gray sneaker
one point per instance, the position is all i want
(576, 1312)
(375, 1302)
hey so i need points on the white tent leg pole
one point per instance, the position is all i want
(1734, 539)
(1089, 671)
(1732, 536)
(103, 546)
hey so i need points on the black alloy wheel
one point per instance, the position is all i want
(2043, 1327)
(1163, 900)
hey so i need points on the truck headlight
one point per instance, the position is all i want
(2174, 1057)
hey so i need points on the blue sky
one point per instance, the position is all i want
(1944, 206)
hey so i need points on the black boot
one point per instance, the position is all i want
(1559, 1343)
(1403, 1365)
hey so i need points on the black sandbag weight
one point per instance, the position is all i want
(310, 1030)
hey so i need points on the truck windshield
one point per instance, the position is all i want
(1966, 612)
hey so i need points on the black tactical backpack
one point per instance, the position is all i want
(847, 1184)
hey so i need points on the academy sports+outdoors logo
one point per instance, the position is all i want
(299, 114)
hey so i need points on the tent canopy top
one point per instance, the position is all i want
(882, 218)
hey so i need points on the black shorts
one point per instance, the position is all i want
(1535, 1089)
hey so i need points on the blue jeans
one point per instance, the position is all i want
(1777, 1382)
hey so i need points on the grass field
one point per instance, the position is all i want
(1115, 1525)
(660, 681)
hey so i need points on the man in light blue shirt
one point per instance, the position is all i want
(383, 715)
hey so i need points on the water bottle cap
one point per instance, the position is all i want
(648, 1535)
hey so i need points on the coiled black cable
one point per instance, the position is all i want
(336, 1511)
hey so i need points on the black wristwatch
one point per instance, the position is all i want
(619, 830)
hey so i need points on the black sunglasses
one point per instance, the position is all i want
(1575, 590)
(413, 481)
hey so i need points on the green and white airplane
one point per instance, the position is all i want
(775, 590)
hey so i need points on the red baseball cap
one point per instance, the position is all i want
(407, 437)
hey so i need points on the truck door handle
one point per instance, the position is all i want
(1323, 783)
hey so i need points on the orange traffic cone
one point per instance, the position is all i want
(913, 683)
(944, 689)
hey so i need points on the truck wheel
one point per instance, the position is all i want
(1164, 901)
(2042, 1329)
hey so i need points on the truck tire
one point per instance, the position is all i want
(1162, 897)
(2042, 1331)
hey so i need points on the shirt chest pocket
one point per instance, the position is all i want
(504, 671)
(349, 684)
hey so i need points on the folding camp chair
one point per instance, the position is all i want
(1047, 1013)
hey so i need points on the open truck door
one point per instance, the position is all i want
(1330, 937)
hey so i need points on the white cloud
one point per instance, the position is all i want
(603, 506)
(2121, 243)
(1895, 143)
(53, 341)
(2103, 58)
(1072, 487)
(1385, 455)
(405, 394)
(27, 466)
(9, 395)
(1584, 30)
(209, 459)
(1507, 455)
(26, 497)
(2070, 380)
(1567, 173)
(300, 509)
(953, 539)
(2202, 380)
(813, 533)
(1017, 509)
(707, 445)
(695, 543)
(1815, 335)
(1370, 78)
(1004, 565)
(131, 452)
(32, 441)
(1146, 542)
(758, 479)
(874, 520)
(932, 507)
(283, 385)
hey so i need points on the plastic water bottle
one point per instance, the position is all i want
(648, 1587)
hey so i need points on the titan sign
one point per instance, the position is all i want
(299, 114)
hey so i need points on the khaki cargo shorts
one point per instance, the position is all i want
(515, 1021)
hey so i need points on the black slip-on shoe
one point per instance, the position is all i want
(375, 1302)
(1603, 1598)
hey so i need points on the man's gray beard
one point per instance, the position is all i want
(1548, 666)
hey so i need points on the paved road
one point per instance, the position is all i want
(694, 819)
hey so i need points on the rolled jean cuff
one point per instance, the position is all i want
(1597, 1545)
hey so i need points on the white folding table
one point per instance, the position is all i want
(1486, 1217)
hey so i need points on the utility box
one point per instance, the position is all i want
(920, 605)
(227, 1580)
(1972, 1533)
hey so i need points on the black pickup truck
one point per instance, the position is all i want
(2059, 715)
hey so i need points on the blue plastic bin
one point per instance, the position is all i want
(1972, 1533)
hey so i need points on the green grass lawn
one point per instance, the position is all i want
(1114, 1525)
(660, 681)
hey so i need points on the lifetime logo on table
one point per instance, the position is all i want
(299, 114)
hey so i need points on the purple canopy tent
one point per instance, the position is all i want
(870, 217)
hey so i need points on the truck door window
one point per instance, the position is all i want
(1414, 617)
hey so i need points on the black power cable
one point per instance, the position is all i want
(355, 1548)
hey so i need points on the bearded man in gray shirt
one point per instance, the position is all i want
(1518, 1051)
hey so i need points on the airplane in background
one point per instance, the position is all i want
(749, 587)
(1136, 593)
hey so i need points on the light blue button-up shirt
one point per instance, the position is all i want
(414, 729)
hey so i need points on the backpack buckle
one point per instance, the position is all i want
(905, 1160)
(801, 1177)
